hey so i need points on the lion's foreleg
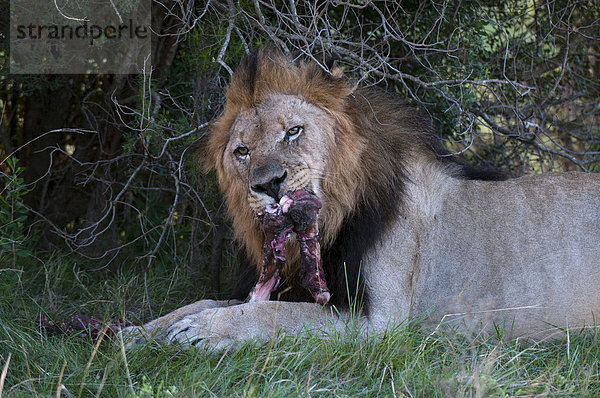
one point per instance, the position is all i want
(261, 320)
(156, 329)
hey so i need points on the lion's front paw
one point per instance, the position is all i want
(208, 329)
(225, 327)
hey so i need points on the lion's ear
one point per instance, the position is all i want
(336, 72)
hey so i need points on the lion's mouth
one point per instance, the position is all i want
(296, 212)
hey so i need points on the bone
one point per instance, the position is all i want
(304, 215)
(82, 324)
(276, 227)
(297, 212)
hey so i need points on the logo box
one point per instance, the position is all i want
(79, 37)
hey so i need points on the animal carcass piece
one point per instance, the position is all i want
(296, 212)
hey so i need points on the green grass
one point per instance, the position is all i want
(402, 362)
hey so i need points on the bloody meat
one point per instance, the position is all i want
(296, 212)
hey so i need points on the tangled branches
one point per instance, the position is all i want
(515, 84)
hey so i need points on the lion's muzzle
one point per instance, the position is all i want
(268, 179)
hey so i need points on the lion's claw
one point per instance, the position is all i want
(201, 330)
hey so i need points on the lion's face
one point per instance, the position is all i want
(280, 145)
(286, 126)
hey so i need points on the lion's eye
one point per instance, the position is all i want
(241, 151)
(293, 132)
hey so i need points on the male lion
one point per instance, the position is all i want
(405, 230)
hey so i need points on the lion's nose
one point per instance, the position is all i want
(270, 185)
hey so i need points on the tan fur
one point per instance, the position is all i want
(521, 254)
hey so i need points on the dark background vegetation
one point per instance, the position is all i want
(98, 167)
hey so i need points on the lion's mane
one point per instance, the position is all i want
(376, 135)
